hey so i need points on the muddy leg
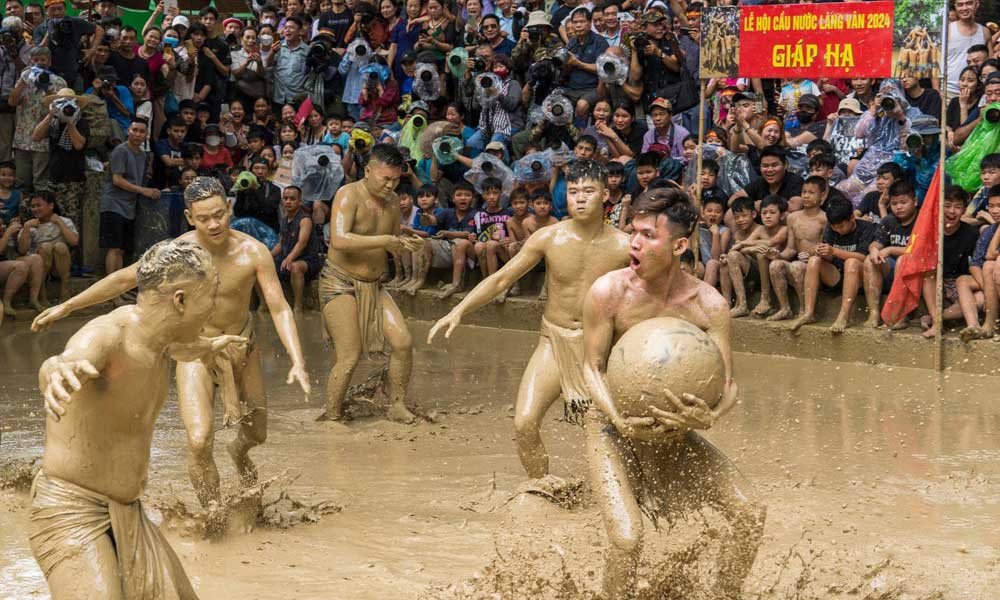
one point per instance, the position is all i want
(91, 573)
(421, 265)
(459, 252)
(764, 268)
(928, 290)
(725, 283)
(297, 275)
(340, 316)
(195, 396)
(852, 281)
(538, 389)
(400, 342)
(62, 262)
(15, 273)
(36, 277)
(991, 299)
(712, 273)
(739, 265)
(253, 430)
(874, 274)
(608, 456)
(778, 270)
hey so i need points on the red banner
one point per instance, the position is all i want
(851, 39)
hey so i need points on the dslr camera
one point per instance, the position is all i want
(479, 64)
(61, 31)
(318, 54)
(535, 34)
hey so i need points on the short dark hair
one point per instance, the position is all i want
(713, 200)
(775, 151)
(387, 154)
(823, 160)
(990, 161)
(540, 194)
(588, 139)
(7, 164)
(902, 187)
(774, 200)
(672, 203)
(580, 9)
(293, 187)
(176, 122)
(648, 159)
(492, 183)
(741, 204)
(817, 181)
(518, 193)
(707, 164)
(489, 16)
(978, 48)
(463, 186)
(427, 190)
(208, 10)
(294, 19)
(839, 210)
(579, 170)
(891, 168)
(615, 168)
(819, 144)
(993, 192)
(45, 195)
(955, 193)
(197, 28)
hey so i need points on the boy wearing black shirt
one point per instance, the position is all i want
(959, 245)
(843, 249)
(875, 205)
(775, 179)
(890, 242)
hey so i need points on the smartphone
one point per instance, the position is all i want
(168, 50)
(190, 48)
(170, 4)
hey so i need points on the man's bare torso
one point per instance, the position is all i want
(103, 441)
(689, 299)
(573, 264)
(371, 217)
(237, 265)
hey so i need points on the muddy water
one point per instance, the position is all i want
(879, 483)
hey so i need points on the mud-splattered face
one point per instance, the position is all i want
(653, 250)
(585, 198)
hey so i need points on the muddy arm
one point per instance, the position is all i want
(598, 334)
(104, 290)
(488, 289)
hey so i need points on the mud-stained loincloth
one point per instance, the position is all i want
(333, 282)
(66, 519)
(567, 347)
(228, 366)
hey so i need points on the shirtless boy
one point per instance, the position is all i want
(576, 252)
(88, 530)
(805, 230)
(242, 262)
(659, 460)
(361, 317)
(765, 245)
(736, 265)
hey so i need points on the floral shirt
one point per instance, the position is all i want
(31, 111)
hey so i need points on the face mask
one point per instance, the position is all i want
(171, 41)
(804, 116)
(268, 21)
(500, 72)
(213, 140)
(266, 41)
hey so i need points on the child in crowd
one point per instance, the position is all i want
(838, 262)
(890, 243)
(713, 239)
(214, 155)
(297, 255)
(541, 212)
(979, 286)
(617, 205)
(989, 174)
(490, 228)
(959, 245)
(402, 261)
(805, 231)
(50, 236)
(335, 135)
(459, 228)
(736, 266)
(765, 245)
(255, 145)
(825, 166)
(710, 183)
(647, 167)
(516, 233)
(875, 205)
(13, 273)
(436, 251)
(10, 196)
(585, 149)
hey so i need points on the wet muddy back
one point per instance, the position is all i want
(879, 483)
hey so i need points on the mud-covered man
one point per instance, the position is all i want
(88, 530)
(658, 464)
(576, 252)
(359, 315)
(242, 262)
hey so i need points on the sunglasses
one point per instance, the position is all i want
(490, 26)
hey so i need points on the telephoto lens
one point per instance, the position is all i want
(426, 76)
(419, 121)
(914, 140)
(888, 104)
(445, 147)
(993, 115)
(536, 165)
(557, 110)
(487, 167)
(323, 161)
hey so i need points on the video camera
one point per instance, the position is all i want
(318, 54)
(9, 40)
(61, 31)
(359, 52)
(536, 34)
(558, 109)
(40, 78)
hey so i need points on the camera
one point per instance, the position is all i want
(40, 78)
(487, 167)
(479, 63)
(8, 39)
(359, 145)
(61, 31)
(69, 110)
(535, 34)
(245, 181)
(560, 57)
(419, 121)
(426, 76)
(323, 160)
(888, 104)
(455, 60)
(536, 166)
(318, 54)
(993, 115)
(445, 147)
(640, 41)
(107, 84)
(914, 140)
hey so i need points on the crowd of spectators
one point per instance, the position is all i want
(807, 187)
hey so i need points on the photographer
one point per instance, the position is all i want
(537, 42)
(656, 55)
(30, 157)
(350, 70)
(10, 66)
(287, 64)
(495, 120)
(67, 130)
(62, 35)
(379, 94)
(118, 98)
(581, 65)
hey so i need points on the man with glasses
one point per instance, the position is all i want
(490, 29)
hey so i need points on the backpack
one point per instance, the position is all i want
(96, 113)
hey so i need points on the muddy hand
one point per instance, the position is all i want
(298, 373)
(204, 349)
(412, 242)
(50, 316)
(65, 379)
(647, 429)
(449, 320)
(691, 413)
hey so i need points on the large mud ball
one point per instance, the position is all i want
(659, 355)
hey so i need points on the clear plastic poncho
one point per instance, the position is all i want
(612, 69)
(487, 165)
(446, 149)
(426, 83)
(317, 171)
(533, 168)
(558, 109)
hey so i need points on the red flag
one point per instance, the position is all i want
(919, 258)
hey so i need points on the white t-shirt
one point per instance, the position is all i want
(49, 232)
(958, 47)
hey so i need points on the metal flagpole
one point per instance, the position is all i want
(939, 287)
(696, 246)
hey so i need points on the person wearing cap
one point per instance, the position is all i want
(66, 130)
(65, 42)
(664, 131)
(117, 97)
(658, 64)
(31, 158)
(928, 101)
(537, 42)
(808, 128)
(232, 30)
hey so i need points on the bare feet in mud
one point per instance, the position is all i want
(245, 468)
(781, 315)
(328, 416)
(762, 309)
(873, 321)
(413, 287)
(740, 310)
(515, 290)
(839, 325)
(400, 414)
(927, 323)
(449, 291)
(396, 283)
(972, 333)
(802, 320)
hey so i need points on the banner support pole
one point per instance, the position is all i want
(939, 287)
(696, 247)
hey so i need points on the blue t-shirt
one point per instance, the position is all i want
(10, 208)
(438, 213)
(126, 97)
(983, 244)
(587, 52)
(559, 197)
(450, 221)
(341, 140)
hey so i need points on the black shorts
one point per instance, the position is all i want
(117, 232)
(314, 264)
